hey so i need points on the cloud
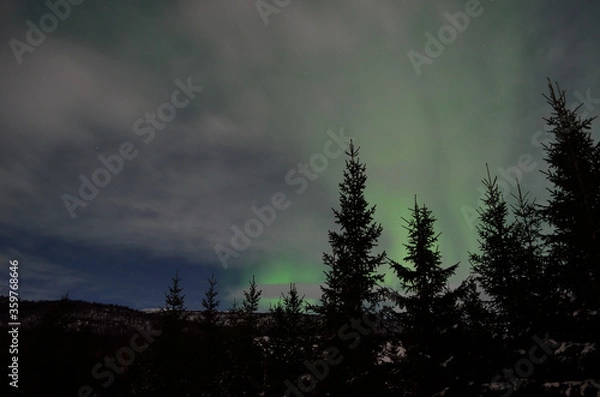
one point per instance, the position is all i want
(40, 279)
(270, 94)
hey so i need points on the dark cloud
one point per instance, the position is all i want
(270, 93)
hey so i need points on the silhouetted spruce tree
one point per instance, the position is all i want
(173, 314)
(174, 310)
(289, 340)
(495, 265)
(229, 376)
(573, 214)
(254, 350)
(504, 267)
(245, 359)
(212, 344)
(474, 353)
(511, 265)
(235, 315)
(350, 289)
(573, 210)
(250, 306)
(428, 308)
(172, 379)
(535, 291)
(293, 304)
(210, 303)
(288, 317)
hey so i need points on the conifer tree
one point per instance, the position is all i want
(573, 210)
(494, 266)
(287, 315)
(293, 305)
(250, 305)
(171, 345)
(212, 345)
(511, 265)
(428, 307)
(234, 313)
(173, 313)
(175, 299)
(535, 291)
(351, 286)
(474, 353)
(289, 321)
(573, 260)
(552, 286)
(245, 354)
(289, 344)
(210, 303)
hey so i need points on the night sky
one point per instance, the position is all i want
(254, 101)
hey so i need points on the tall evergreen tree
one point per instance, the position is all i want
(535, 291)
(511, 266)
(494, 266)
(474, 353)
(549, 283)
(573, 214)
(428, 308)
(573, 210)
(351, 286)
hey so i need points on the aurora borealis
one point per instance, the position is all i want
(271, 92)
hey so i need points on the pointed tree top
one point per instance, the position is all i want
(353, 152)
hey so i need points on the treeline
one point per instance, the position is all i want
(524, 323)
